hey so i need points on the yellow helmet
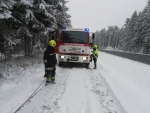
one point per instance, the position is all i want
(95, 46)
(52, 43)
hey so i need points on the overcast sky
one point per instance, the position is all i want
(99, 14)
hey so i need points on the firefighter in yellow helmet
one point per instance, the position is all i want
(94, 55)
(50, 61)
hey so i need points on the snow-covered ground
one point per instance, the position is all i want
(118, 85)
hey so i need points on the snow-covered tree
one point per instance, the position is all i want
(134, 36)
(5, 8)
(6, 30)
(63, 19)
(126, 35)
(43, 11)
(101, 39)
(146, 27)
(52, 14)
(131, 31)
(31, 20)
(138, 33)
(20, 13)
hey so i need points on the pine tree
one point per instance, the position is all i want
(6, 31)
(131, 31)
(62, 18)
(126, 35)
(102, 39)
(138, 33)
(43, 11)
(121, 39)
(31, 20)
(5, 8)
(146, 27)
(21, 13)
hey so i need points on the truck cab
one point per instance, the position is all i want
(73, 45)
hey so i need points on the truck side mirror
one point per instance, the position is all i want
(53, 36)
(93, 36)
(91, 44)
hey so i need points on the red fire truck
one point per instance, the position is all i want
(73, 45)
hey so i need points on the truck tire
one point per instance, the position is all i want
(87, 65)
(60, 64)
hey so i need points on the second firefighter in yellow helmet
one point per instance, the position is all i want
(94, 55)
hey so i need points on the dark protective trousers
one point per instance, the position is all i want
(51, 74)
(94, 59)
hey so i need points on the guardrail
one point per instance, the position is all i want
(143, 58)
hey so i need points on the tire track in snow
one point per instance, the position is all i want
(50, 104)
(104, 93)
(46, 99)
(78, 97)
(63, 97)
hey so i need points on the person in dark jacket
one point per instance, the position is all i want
(50, 61)
(94, 55)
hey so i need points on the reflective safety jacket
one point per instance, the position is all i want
(95, 52)
(49, 58)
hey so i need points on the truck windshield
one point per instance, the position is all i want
(75, 37)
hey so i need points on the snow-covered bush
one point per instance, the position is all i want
(16, 67)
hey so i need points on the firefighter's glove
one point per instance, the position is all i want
(94, 49)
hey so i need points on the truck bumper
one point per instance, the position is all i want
(74, 58)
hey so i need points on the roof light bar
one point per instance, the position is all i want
(64, 28)
(76, 29)
(86, 29)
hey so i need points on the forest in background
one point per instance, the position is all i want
(134, 36)
(24, 24)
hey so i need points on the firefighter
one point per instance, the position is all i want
(94, 55)
(50, 61)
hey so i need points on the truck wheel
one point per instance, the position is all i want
(87, 65)
(60, 64)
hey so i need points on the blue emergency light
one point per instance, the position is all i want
(76, 29)
(86, 29)
(64, 28)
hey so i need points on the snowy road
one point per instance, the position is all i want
(78, 90)
(118, 85)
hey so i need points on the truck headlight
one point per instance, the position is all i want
(62, 56)
(85, 58)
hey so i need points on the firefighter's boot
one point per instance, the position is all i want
(94, 66)
(53, 81)
(53, 78)
(48, 80)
